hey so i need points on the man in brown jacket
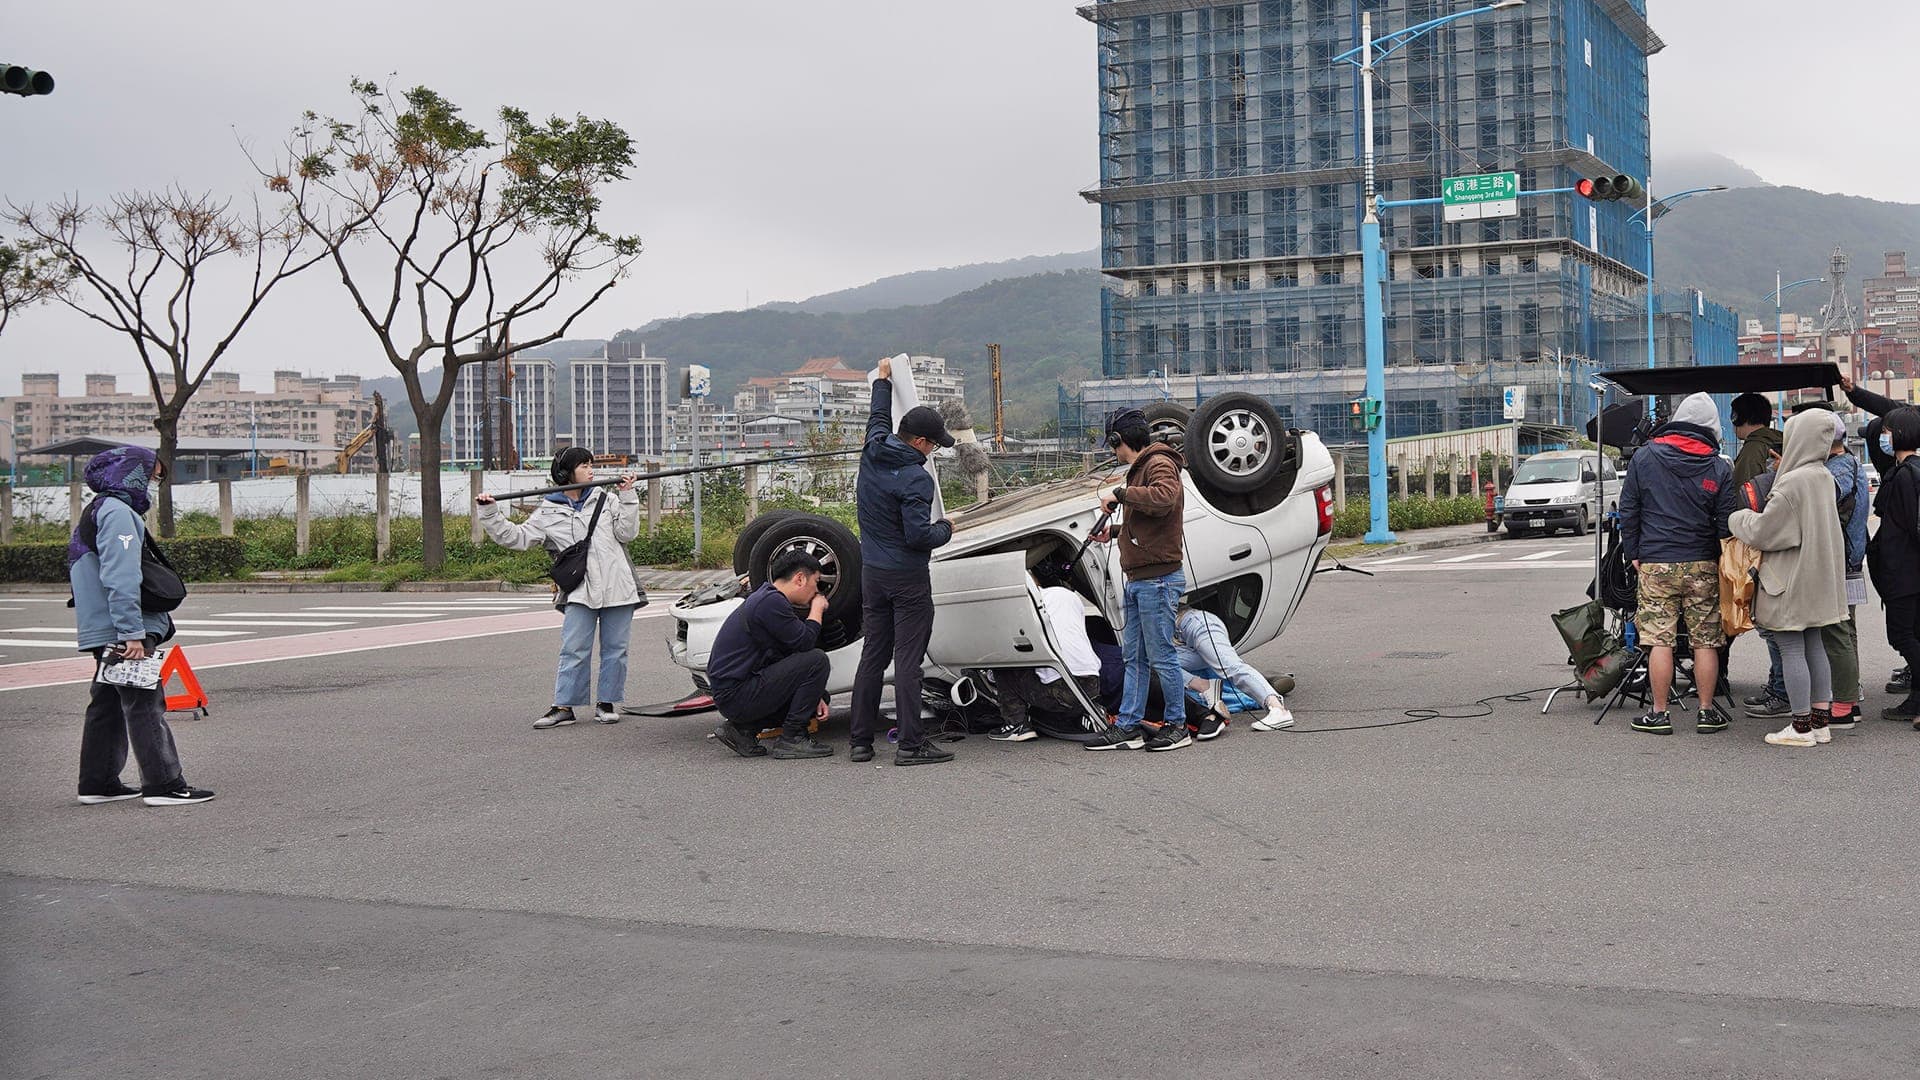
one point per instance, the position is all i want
(1152, 504)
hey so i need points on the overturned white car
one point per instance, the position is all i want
(1259, 511)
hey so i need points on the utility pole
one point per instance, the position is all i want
(999, 402)
(509, 426)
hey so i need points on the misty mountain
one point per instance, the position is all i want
(932, 286)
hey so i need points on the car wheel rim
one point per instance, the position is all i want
(1171, 432)
(1239, 443)
(822, 553)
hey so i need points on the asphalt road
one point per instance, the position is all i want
(400, 878)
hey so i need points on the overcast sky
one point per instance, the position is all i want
(787, 148)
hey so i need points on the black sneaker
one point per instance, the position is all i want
(1711, 719)
(1171, 736)
(1771, 709)
(1845, 723)
(1908, 710)
(860, 752)
(1654, 723)
(605, 713)
(1021, 732)
(116, 793)
(1118, 738)
(739, 741)
(1214, 726)
(924, 754)
(1902, 682)
(180, 795)
(796, 747)
(1760, 698)
(558, 716)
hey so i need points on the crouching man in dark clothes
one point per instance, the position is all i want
(765, 670)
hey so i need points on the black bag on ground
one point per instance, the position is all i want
(569, 568)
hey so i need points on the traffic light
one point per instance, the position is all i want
(1365, 413)
(1611, 189)
(24, 81)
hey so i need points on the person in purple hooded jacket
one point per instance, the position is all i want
(103, 566)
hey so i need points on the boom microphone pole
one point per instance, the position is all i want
(667, 473)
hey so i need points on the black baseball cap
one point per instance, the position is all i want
(924, 421)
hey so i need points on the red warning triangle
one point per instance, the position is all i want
(192, 697)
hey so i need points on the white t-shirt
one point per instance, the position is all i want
(1067, 621)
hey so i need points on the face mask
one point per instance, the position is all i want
(1886, 443)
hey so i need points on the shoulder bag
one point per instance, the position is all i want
(569, 568)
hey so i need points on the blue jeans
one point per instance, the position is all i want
(1776, 678)
(1147, 643)
(1207, 651)
(615, 625)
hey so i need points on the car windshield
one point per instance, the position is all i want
(1557, 471)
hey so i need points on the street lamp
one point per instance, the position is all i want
(1654, 210)
(1779, 322)
(1373, 255)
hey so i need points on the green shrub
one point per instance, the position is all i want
(33, 562)
(197, 558)
(1410, 514)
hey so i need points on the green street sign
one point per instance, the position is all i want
(1487, 187)
(1473, 198)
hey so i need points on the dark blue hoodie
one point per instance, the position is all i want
(1670, 505)
(895, 494)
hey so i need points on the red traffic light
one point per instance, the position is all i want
(1585, 188)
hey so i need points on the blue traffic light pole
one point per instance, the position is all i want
(1373, 255)
(1654, 209)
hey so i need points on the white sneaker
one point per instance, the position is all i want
(1821, 736)
(1786, 736)
(1278, 717)
(606, 712)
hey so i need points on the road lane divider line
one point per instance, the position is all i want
(36, 674)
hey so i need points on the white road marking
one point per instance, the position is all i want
(1541, 555)
(35, 600)
(1470, 558)
(1390, 562)
(26, 643)
(256, 622)
(1583, 567)
(69, 630)
(373, 613)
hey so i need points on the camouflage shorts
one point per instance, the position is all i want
(1672, 593)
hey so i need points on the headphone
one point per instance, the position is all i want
(1126, 417)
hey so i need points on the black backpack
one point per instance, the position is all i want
(161, 587)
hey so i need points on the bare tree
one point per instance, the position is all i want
(450, 239)
(28, 275)
(165, 246)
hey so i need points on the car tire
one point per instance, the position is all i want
(750, 535)
(1235, 444)
(1580, 523)
(827, 540)
(1167, 422)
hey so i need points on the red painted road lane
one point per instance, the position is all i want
(38, 673)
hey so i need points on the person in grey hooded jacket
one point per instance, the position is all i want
(604, 602)
(103, 567)
(1803, 573)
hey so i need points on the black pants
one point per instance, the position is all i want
(897, 621)
(1020, 691)
(117, 715)
(783, 694)
(1903, 633)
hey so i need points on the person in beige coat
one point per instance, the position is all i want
(604, 603)
(1803, 573)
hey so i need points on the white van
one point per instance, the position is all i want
(1555, 490)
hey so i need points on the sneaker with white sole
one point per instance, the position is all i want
(605, 713)
(1020, 732)
(1278, 717)
(1172, 736)
(558, 716)
(1788, 736)
(178, 796)
(116, 793)
(1118, 738)
(1213, 725)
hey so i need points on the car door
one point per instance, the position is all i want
(987, 613)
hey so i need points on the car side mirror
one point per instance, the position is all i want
(1587, 477)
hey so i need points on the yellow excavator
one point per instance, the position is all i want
(367, 434)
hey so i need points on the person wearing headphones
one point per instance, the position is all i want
(604, 602)
(1152, 538)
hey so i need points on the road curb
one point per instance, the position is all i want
(1436, 544)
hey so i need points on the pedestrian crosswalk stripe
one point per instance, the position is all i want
(1470, 558)
(1541, 555)
(259, 622)
(35, 643)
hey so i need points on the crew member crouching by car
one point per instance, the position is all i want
(765, 670)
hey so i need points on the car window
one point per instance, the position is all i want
(1607, 470)
(1548, 471)
(1237, 602)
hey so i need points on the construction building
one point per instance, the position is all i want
(620, 402)
(1893, 303)
(1230, 201)
(303, 409)
(496, 426)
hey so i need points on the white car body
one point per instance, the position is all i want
(1531, 504)
(1251, 570)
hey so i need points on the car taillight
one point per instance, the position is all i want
(1323, 502)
